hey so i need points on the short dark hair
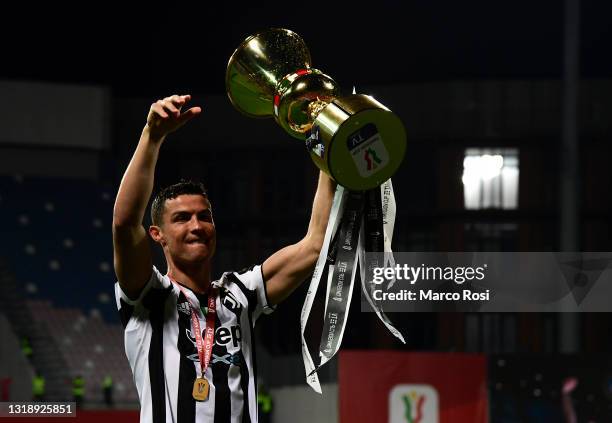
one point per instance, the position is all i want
(168, 193)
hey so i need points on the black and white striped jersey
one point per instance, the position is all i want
(161, 348)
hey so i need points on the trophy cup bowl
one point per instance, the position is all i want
(355, 139)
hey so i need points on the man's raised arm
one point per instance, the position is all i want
(286, 269)
(132, 253)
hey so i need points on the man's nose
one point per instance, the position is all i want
(196, 224)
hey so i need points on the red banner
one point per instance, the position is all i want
(399, 387)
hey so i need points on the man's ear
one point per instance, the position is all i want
(156, 234)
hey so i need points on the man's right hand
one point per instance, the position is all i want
(132, 253)
(165, 116)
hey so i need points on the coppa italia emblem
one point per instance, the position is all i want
(413, 404)
(371, 159)
(367, 150)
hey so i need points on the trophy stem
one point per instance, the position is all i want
(315, 107)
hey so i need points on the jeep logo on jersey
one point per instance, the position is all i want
(413, 404)
(223, 336)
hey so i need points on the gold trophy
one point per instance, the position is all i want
(353, 138)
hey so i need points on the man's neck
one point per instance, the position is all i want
(196, 278)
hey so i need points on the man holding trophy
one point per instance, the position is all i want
(189, 340)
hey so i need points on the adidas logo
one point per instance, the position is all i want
(184, 308)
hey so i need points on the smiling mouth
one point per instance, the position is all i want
(197, 241)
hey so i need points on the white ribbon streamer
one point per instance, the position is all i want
(334, 220)
(325, 359)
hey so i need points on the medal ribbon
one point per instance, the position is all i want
(204, 348)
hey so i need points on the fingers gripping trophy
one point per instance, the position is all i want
(355, 139)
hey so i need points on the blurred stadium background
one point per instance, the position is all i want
(502, 105)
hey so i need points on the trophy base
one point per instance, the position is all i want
(358, 142)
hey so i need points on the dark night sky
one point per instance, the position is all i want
(186, 48)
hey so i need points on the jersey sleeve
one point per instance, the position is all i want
(253, 282)
(129, 308)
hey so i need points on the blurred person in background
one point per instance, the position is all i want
(38, 387)
(264, 403)
(569, 413)
(107, 390)
(26, 348)
(78, 390)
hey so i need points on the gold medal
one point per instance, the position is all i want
(200, 389)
